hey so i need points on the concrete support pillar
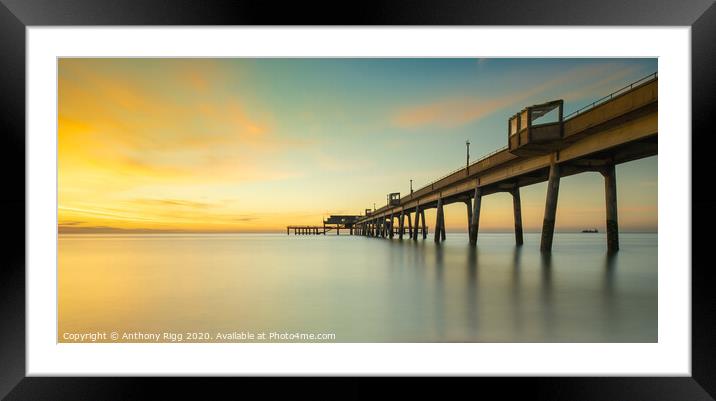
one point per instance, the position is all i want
(468, 203)
(410, 225)
(392, 231)
(439, 221)
(442, 224)
(475, 217)
(517, 206)
(610, 192)
(422, 221)
(550, 208)
(401, 225)
(417, 223)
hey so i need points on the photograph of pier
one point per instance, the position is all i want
(357, 200)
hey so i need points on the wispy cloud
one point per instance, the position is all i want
(460, 110)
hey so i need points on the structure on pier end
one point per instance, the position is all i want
(333, 222)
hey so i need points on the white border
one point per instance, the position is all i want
(670, 356)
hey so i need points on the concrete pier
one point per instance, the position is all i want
(620, 128)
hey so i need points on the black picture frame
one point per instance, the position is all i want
(16, 15)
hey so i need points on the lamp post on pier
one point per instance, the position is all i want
(467, 163)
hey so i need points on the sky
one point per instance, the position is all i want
(254, 145)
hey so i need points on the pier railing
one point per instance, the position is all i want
(612, 95)
(431, 184)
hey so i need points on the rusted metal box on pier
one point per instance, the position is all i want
(537, 129)
(394, 199)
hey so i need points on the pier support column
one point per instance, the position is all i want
(610, 191)
(517, 206)
(401, 225)
(550, 208)
(392, 218)
(410, 225)
(417, 224)
(422, 221)
(442, 223)
(475, 218)
(439, 222)
(468, 203)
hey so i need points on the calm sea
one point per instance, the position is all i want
(358, 289)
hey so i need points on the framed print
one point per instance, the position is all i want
(468, 190)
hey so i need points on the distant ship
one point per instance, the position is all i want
(590, 230)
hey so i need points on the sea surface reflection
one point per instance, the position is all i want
(362, 289)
